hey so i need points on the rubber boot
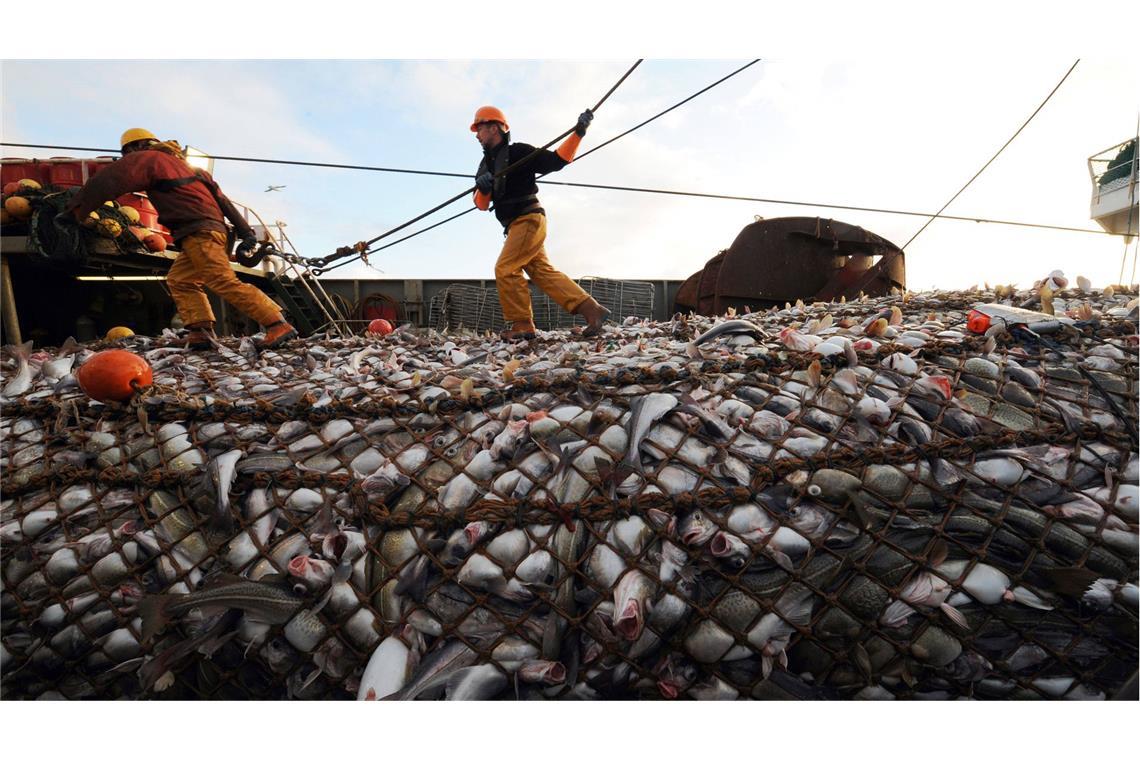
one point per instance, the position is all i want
(277, 334)
(595, 314)
(200, 336)
(519, 330)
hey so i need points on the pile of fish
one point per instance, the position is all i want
(825, 501)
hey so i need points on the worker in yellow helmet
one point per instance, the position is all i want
(515, 196)
(191, 204)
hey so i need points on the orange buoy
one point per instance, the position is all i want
(18, 207)
(380, 327)
(108, 228)
(977, 322)
(154, 242)
(113, 375)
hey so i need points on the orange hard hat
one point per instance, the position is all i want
(977, 322)
(490, 113)
(114, 375)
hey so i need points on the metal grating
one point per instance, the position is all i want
(474, 308)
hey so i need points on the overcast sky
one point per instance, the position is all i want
(898, 131)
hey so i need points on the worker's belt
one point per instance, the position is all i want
(529, 203)
(166, 185)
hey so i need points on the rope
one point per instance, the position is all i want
(1002, 148)
(872, 209)
(633, 129)
(623, 188)
(325, 270)
(358, 249)
(63, 243)
(1132, 199)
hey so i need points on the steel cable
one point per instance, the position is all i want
(994, 157)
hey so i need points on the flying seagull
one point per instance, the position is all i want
(271, 188)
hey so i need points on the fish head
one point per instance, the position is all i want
(696, 529)
(476, 531)
(300, 566)
(673, 554)
(941, 383)
(334, 544)
(720, 545)
(629, 621)
(661, 520)
(876, 328)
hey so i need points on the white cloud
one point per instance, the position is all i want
(902, 132)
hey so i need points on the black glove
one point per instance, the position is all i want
(484, 182)
(584, 123)
(246, 246)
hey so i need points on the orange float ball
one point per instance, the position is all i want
(155, 242)
(380, 327)
(108, 375)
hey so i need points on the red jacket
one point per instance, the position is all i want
(185, 209)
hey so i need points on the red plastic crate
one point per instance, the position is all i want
(64, 172)
(148, 216)
(16, 169)
(97, 163)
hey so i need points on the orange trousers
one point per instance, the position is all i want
(523, 252)
(203, 262)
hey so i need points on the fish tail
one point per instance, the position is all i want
(222, 521)
(154, 613)
(69, 347)
(20, 350)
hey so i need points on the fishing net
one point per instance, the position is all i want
(789, 509)
(61, 243)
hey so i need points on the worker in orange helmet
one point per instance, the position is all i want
(515, 196)
(191, 204)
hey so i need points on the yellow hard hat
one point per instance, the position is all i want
(119, 332)
(134, 134)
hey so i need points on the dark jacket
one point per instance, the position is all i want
(185, 209)
(514, 195)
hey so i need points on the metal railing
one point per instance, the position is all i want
(291, 265)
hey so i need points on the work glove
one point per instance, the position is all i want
(584, 123)
(484, 182)
(246, 246)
